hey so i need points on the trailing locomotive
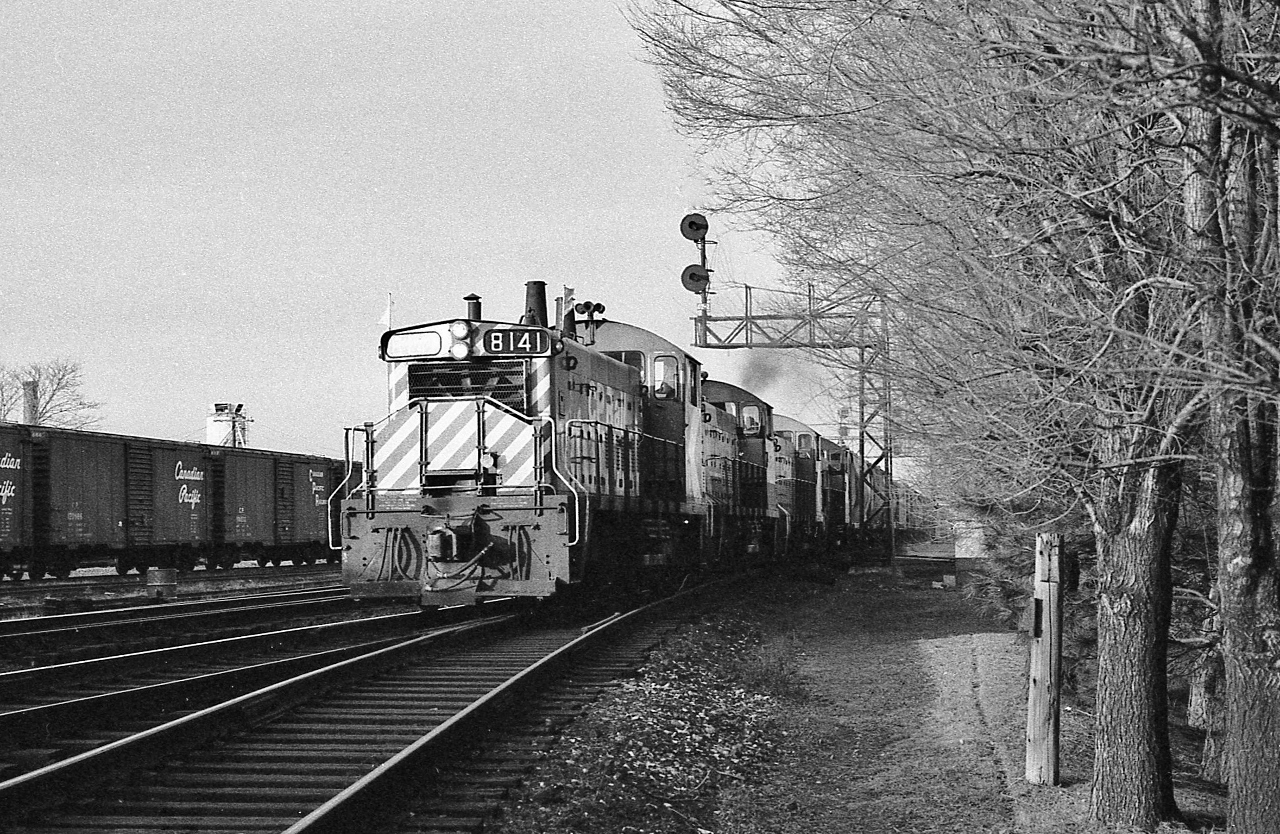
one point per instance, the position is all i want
(72, 499)
(518, 459)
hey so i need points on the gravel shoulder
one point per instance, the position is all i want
(913, 719)
(895, 708)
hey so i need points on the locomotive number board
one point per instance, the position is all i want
(516, 341)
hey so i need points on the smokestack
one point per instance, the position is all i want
(535, 303)
(473, 306)
(30, 401)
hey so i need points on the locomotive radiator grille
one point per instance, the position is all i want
(502, 380)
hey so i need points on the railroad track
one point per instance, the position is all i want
(50, 713)
(47, 640)
(336, 749)
(50, 596)
(91, 579)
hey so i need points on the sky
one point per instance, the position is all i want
(213, 201)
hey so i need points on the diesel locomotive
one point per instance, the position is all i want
(522, 458)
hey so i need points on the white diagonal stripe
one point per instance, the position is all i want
(448, 457)
(522, 476)
(406, 467)
(494, 433)
(399, 382)
(443, 424)
(386, 448)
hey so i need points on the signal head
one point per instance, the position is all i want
(694, 227)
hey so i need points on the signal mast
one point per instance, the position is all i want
(854, 321)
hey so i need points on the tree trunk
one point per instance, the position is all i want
(1249, 596)
(1132, 777)
(1205, 709)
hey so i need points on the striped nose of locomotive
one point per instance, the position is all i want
(475, 419)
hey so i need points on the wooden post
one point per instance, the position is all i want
(1045, 673)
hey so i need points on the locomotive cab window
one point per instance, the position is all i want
(633, 358)
(804, 443)
(751, 419)
(666, 378)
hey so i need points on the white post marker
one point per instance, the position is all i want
(1044, 684)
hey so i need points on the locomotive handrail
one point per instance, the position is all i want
(346, 454)
(574, 485)
(480, 399)
(459, 398)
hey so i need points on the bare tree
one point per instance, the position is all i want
(1010, 176)
(59, 398)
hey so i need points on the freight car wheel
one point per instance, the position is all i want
(122, 567)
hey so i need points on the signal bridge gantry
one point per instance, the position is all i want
(855, 324)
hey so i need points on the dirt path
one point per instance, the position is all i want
(913, 721)
(895, 709)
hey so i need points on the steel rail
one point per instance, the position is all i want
(53, 623)
(198, 575)
(370, 797)
(30, 723)
(25, 723)
(51, 785)
(18, 682)
(288, 760)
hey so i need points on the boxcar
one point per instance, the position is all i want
(72, 499)
(15, 496)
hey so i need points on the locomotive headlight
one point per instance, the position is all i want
(460, 330)
(460, 350)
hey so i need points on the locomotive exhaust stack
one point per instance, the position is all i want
(473, 307)
(535, 303)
